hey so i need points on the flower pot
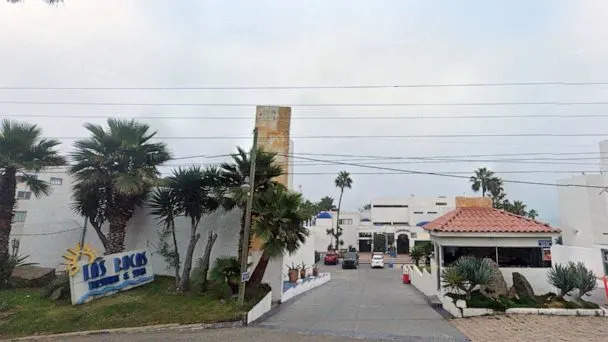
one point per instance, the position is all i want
(315, 272)
(293, 276)
(302, 274)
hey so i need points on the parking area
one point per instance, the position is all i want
(364, 303)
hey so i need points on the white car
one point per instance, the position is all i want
(377, 261)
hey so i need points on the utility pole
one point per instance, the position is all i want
(245, 246)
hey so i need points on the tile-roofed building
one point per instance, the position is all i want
(486, 220)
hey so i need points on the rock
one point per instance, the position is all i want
(512, 294)
(32, 276)
(522, 286)
(461, 304)
(497, 286)
(57, 294)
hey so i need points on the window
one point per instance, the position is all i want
(441, 203)
(401, 223)
(452, 253)
(19, 216)
(431, 212)
(390, 206)
(521, 257)
(382, 223)
(24, 195)
(346, 221)
(56, 181)
(419, 212)
(365, 235)
(414, 235)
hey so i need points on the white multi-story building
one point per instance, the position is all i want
(390, 222)
(583, 211)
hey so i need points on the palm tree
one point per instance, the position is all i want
(198, 193)
(22, 150)
(235, 174)
(533, 214)
(342, 181)
(164, 205)
(326, 204)
(481, 180)
(121, 164)
(279, 223)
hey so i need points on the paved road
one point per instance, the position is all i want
(364, 303)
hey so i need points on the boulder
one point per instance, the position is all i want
(497, 286)
(522, 285)
(57, 294)
(512, 293)
(31, 276)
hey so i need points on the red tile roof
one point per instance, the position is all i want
(486, 220)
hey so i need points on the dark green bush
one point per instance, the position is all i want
(219, 290)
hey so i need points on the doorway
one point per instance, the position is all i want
(403, 244)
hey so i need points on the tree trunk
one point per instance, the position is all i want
(338, 222)
(176, 261)
(260, 269)
(194, 237)
(118, 231)
(8, 184)
(242, 235)
(206, 258)
(102, 237)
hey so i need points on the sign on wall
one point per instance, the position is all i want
(109, 274)
(545, 243)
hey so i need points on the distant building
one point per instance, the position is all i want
(390, 223)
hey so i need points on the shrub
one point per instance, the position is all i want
(584, 280)
(562, 277)
(227, 270)
(219, 290)
(9, 263)
(466, 274)
(416, 254)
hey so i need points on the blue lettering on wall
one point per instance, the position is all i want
(139, 272)
(103, 282)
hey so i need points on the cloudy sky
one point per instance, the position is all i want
(317, 43)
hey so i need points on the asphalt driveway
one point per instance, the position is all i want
(364, 303)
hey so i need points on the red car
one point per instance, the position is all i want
(331, 258)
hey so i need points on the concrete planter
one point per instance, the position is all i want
(260, 309)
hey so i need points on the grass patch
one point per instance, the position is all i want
(147, 305)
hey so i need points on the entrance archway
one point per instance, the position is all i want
(403, 244)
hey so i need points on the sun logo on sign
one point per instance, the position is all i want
(72, 256)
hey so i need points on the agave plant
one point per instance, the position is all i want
(563, 278)
(470, 272)
(8, 264)
(584, 280)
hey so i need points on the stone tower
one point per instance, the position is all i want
(273, 124)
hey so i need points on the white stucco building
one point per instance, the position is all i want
(390, 222)
(583, 214)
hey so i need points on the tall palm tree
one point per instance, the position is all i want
(235, 174)
(166, 207)
(342, 181)
(22, 150)
(279, 223)
(198, 193)
(121, 163)
(482, 180)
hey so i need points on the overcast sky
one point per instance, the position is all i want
(289, 43)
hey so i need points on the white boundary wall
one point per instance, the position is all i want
(304, 286)
(260, 309)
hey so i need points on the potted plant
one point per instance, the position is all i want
(303, 271)
(315, 270)
(292, 273)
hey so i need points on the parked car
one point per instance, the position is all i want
(377, 261)
(331, 258)
(351, 260)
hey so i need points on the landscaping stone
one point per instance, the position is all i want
(497, 286)
(57, 294)
(512, 294)
(522, 285)
(461, 303)
(32, 276)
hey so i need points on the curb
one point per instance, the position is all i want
(144, 329)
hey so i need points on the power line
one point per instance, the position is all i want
(443, 174)
(393, 117)
(46, 234)
(290, 87)
(410, 136)
(421, 104)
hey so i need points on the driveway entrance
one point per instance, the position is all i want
(364, 303)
